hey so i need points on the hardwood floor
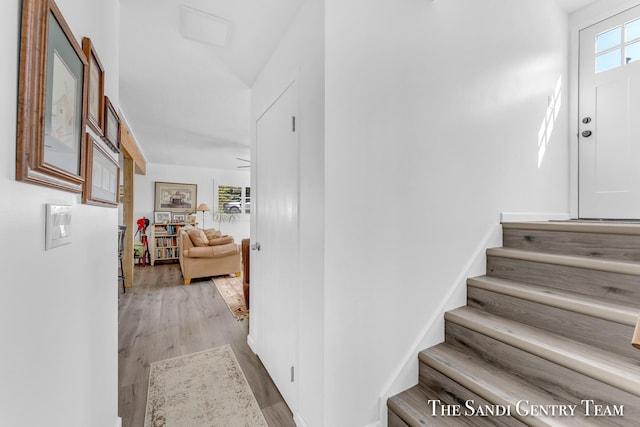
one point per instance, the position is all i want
(161, 318)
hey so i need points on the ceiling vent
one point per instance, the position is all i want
(203, 27)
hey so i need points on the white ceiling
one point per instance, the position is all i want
(187, 102)
(573, 5)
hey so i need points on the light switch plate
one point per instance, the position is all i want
(57, 226)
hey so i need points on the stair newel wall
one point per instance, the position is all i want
(433, 332)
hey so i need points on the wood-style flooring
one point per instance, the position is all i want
(159, 318)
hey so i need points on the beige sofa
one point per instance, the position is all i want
(207, 261)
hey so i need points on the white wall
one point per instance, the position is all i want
(205, 179)
(433, 112)
(300, 55)
(58, 311)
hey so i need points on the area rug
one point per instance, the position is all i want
(231, 290)
(204, 389)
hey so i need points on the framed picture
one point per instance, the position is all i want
(162, 217)
(179, 217)
(95, 105)
(175, 197)
(111, 126)
(52, 95)
(102, 183)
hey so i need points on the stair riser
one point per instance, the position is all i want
(557, 380)
(611, 246)
(597, 332)
(450, 392)
(600, 284)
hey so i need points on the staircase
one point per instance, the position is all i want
(545, 337)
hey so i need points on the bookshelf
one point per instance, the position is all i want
(165, 242)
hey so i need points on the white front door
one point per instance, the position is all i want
(274, 273)
(609, 108)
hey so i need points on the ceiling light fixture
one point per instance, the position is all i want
(203, 27)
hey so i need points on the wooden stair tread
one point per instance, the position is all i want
(547, 323)
(628, 228)
(620, 372)
(413, 408)
(624, 313)
(497, 386)
(591, 263)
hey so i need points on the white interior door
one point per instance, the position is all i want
(609, 129)
(275, 277)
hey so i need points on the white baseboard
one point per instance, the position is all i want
(119, 422)
(533, 216)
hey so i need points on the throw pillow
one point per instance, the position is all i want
(211, 232)
(222, 240)
(198, 237)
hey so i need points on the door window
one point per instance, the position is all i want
(618, 46)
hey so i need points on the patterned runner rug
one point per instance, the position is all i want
(231, 290)
(204, 389)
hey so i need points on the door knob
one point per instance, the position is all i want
(586, 133)
(255, 247)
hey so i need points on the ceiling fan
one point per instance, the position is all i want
(244, 160)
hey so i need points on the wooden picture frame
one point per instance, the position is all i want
(162, 217)
(179, 217)
(52, 95)
(175, 197)
(111, 126)
(102, 183)
(94, 111)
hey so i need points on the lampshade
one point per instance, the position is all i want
(203, 207)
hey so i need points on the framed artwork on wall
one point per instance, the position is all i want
(52, 96)
(179, 217)
(162, 217)
(111, 126)
(102, 183)
(95, 105)
(174, 197)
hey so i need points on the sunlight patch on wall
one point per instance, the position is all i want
(548, 122)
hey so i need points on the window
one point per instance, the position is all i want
(247, 200)
(618, 46)
(231, 200)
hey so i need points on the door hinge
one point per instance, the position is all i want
(293, 123)
(292, 374)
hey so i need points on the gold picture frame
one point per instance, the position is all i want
(102, 182)
(52, 95)
(111, 126)
(94, 111)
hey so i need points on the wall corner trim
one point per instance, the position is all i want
(251, 343)
(297, 418)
